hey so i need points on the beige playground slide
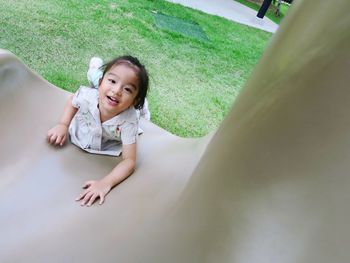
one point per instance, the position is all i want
(271, 185)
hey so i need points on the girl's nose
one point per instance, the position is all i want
(117, 89)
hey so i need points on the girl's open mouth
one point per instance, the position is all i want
(112, 101)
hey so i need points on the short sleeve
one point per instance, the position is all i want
(81, 96)
(129, 133)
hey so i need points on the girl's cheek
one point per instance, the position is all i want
(100, 81)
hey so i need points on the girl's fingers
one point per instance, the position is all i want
(52, 138)
(58, 140)
(48, 136)
(102, 199)
(81, 196)
(90, 195)
(92, 199)
(86, 198)
(63, 140)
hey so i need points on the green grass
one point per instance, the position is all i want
(179, 26)
(270, 12)
(193, 82)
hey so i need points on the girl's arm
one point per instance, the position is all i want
(58, 134)
(95, 189)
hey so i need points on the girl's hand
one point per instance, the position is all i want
(93, 190)
(58, 134)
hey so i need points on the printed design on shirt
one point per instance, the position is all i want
(118, 131)
(115, 131)
(85, 121)
(111, 132)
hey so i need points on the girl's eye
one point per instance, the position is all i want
(128, 90)
(112, 81)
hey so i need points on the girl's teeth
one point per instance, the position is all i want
(112, 99)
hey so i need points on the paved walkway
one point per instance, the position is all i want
(231, 10)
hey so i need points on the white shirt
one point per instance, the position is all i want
(87, 132)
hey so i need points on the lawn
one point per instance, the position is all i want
(193, 81)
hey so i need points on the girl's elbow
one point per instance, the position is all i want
(132, 164)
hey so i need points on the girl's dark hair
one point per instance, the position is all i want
(140, 71)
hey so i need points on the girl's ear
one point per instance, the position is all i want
(100, 81)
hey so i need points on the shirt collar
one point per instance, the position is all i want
(128, 115)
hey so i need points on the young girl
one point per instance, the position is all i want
(104, 121)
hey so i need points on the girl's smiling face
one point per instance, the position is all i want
(117, 91)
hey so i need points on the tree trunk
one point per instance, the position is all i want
(262, 11)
